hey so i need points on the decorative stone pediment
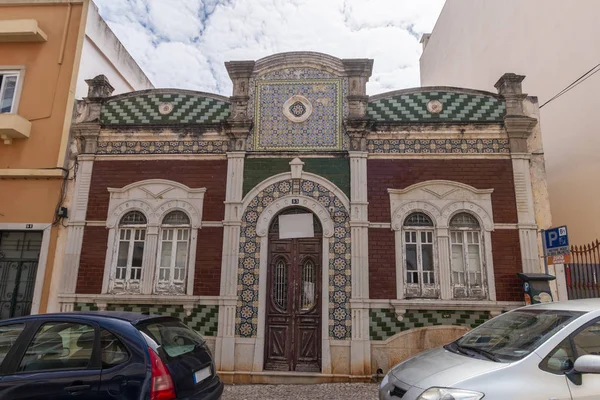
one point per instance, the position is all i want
(441, 200)
(155, 198)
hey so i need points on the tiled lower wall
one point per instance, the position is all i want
(204, 319)
(384, 322)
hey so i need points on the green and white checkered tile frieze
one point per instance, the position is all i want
(443, 107)
(164, 108)
(384, 322)
(203, 318)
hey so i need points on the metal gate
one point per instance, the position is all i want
(582, 275)
(19, 255)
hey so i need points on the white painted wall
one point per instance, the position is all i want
(104, 54)
(552, 42)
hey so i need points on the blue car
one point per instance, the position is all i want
(104, 355)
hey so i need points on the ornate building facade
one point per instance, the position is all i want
(301, 225)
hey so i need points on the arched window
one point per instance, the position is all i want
(419, 264)
(174, 252)
(466, 256)
(130, 252)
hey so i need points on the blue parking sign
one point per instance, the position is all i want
(556, 241)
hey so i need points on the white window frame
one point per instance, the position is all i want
(155, 198)
(441, 200)
(465, 288)
(19, 72)
(420, 289)
(172, 285)
(137, 233)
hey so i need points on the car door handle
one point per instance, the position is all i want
(77, 388)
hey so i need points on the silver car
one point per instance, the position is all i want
(541, 352)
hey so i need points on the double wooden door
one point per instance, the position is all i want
(293, 320)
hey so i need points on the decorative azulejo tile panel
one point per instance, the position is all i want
(164, 108)
(339, 320)
(203, 318)
(448, 107)
(384, 323)
(163, 147)
(85, 307)
(438, 146)
(323, 130)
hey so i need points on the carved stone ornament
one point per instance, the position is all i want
(435, 106)
(297, 108)
(165, 108)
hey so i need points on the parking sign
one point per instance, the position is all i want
(556, 241)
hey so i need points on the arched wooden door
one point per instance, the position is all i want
(293, 318)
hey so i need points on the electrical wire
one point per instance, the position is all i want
(575, 83)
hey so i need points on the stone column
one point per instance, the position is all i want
(225, 344)
(519, 128)
(357, 125)
(237, 128)
(443, 248)
(86, 131)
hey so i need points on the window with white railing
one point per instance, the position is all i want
(130, 250)
(173, 256)
(468, 278)
(419, 261)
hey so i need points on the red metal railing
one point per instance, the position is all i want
(583, 273)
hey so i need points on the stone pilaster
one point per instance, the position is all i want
(358, 71)
(149, 263)
(239, 123)
(519, 128)
(225, 344)
(443, 248)
(359, 222)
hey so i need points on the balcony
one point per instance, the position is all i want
(21, 30)
(13, 126)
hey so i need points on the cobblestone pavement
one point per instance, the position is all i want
(329, 391)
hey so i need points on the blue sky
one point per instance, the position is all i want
(184, 43)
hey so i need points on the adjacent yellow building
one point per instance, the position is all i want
(41, 44)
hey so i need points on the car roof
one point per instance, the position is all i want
(132, 317)
(583, 305)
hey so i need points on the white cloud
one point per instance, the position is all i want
(184, 43)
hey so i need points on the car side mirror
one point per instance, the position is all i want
(588, 364)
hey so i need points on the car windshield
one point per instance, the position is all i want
(513, 335)
(173, 336)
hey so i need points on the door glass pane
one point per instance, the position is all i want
(412, 276)
(309, 278)
(280, 284)
(8, 89)
(122, 255)
(113, 351)
(427, 254)
(8, 336)
(181, 260)
(165, 260)
(138, 253)
(59, 345)
(474, 258)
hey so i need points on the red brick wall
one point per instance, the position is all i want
(506, 256)
(91, 264)
(207, 279)
(209, 174)
(481, 174)
(382, 264)
(506, 250)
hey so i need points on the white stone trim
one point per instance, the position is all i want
(259, 350)
(149, 157)
(288, 175)
(380, 225)
(155, 198)
(429, 156)
(264, 221)
(441, 200)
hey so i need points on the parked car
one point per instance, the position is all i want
(540, 352)
(104, 355)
